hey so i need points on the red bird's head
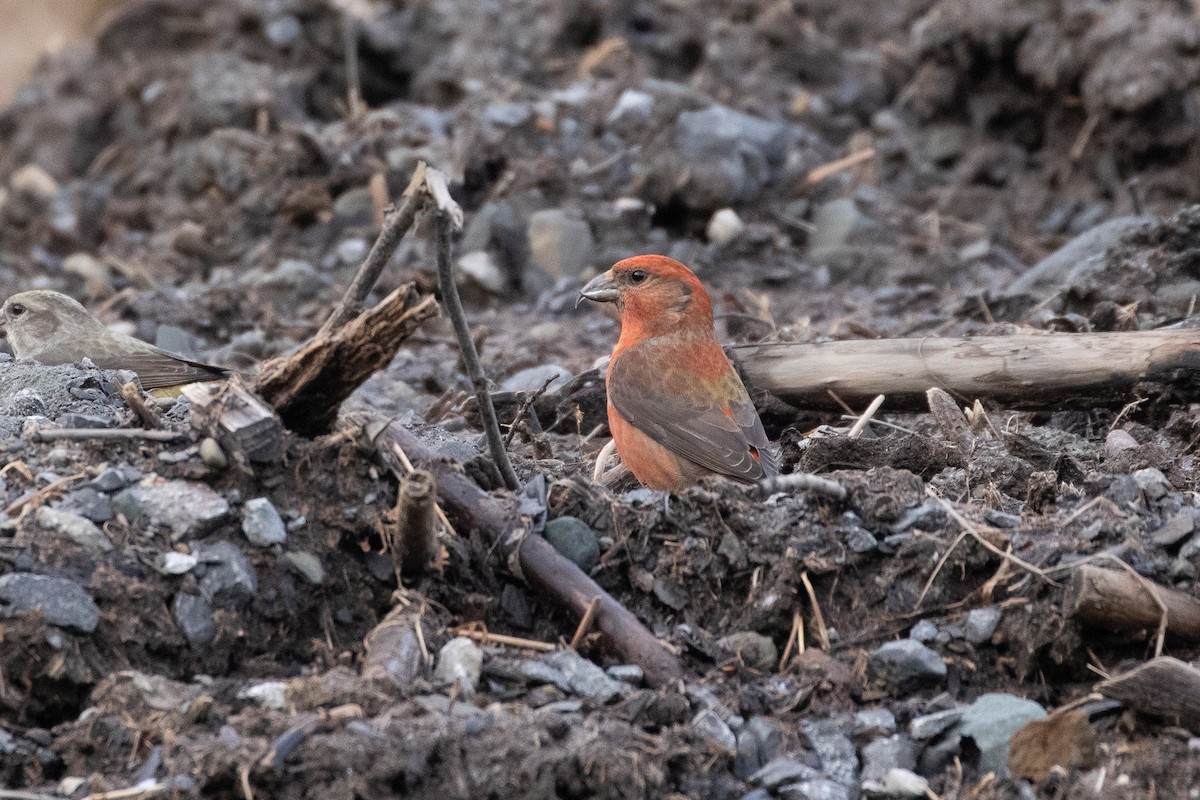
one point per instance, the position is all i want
(656, 295)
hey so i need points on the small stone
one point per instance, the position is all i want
(631, 674)
(177, 508)
(1118, 441)
(897, 783)
(584, 677)
(872, 722)
(81, 531)
(110, 480)
(262, 524)
(194, 616)
(829, 739)
(714, 730)
(758, 742)
(905, 662)
(268, 694)
(306, 565)
(1177, 526)
(351, 251)
(752, 649)
(32, 179)
(63, 602)
(724, 227)
(924, 631)
(883, 755)
(631, 110)
(283, 31)
(782, 770)
(981, 623)
(1152, 482)
(575, 540)
(481, 268)
(173, 563)
(560, 245)
(931, 725)
(228, 573)
(669, 592)
(534, 379)
(991, 722)
(835, 224)
(817, 789)
(212, 454)
(89, 504)
(461, 660)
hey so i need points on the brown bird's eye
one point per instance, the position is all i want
(16, 310)
(638, 275)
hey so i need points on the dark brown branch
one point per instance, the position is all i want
(1021, 371)
(308, 387)
(470, 356)
(394, 228)
(497, 519)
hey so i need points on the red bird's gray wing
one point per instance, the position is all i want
(158, 369)
(715, 426)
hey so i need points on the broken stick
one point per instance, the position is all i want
(308, 387)
(415, 544)
(1117, 600)
(1027, 371)
(498, 520)
(1165, 687)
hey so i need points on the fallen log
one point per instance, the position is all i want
(497, 518)
(1023, 371)
(1117, 600)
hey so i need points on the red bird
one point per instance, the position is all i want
(676, 407)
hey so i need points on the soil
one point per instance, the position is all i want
(198, 175)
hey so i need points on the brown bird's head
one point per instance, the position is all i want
(656, 295)
(31, 319)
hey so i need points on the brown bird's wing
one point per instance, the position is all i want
(158, 369)
(716, 426)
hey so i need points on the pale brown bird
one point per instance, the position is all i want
(52, 328)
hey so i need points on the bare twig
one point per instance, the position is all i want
(491, 427)
(484, 637)
(818, 617)
(397, 225)
(861, 423)
(106, 434)
(43, 494)
(585, 624)
(416, 545)
(822, 172)
(133, 398)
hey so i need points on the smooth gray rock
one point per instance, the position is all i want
(228, 573)
(63, 602)
(729, 156)
(584, 677)
(905, 662)
(262, 524)
(461, 660)
(930, 725)
(575, 540)
(534, 378)
(882, 755)
(832, 745)
(817, 789)
(715, 730)
(631, 674)
(82, 532)
(194, 616)
(782, 770)
(178, 509)
(991, 722)
(1083, 254)
(874, 722)
(560, 245)
(306, 565)
(981, 623)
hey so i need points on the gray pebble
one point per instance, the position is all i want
(64, 603)
(82, 532)
(577, 542)
(461, 660)
(262, 524)
(905, 662)
(194, 616)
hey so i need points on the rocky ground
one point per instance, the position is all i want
(200, 176)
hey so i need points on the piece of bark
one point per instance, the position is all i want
(393, 651)
(1116, 600)
(498, 519)
(1027, 371)
(308, 387)
(950, 419)
(1165, 687)
(246, 428)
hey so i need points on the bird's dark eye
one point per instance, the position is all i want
(638, 275)
(16, 310)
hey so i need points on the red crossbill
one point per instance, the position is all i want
(676, 407)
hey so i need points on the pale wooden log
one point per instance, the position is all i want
(1021, 371)
(1165, 687)
(245, 427)
(1116, 600)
